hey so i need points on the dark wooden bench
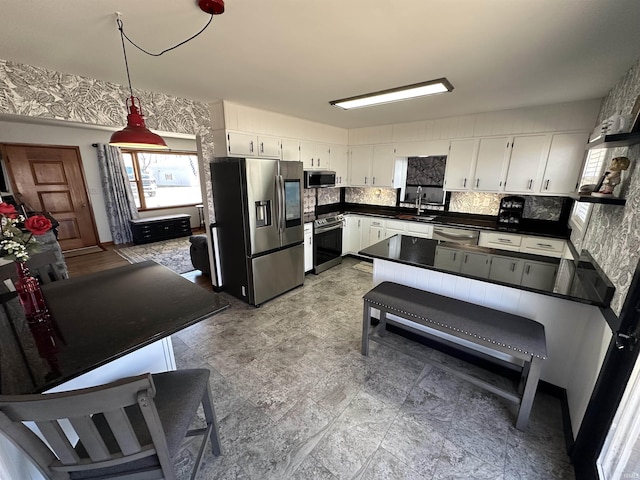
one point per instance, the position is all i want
(499, 331)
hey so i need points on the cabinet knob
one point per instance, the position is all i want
(373, 182)
(251, 146)
(464, 184)
(530, 183)
(477, 182)
(546, 185)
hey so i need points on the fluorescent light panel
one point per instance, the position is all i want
(407, 92)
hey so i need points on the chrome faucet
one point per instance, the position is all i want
(419, 199)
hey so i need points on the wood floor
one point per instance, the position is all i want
(96, 262)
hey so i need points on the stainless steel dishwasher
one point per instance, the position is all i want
(462, 236)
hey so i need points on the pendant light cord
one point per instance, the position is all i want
(124, 50)
(124, 35)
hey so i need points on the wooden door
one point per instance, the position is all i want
(51, 179)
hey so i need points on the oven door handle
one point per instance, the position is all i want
(327, 229)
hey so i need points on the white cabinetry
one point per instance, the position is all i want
(382, 166)
(340, 164)
(243, 144)
(506, 270)
(527, 155)
(314, 155)
(376, 231)
(353, 232)
(447, 259)
(458, 171)
(360, 165)
(564, 163)
(539, 275)
(290, 150)
(417, 229)
(476, 264)
(308, 247)
(551, 247)
(504, 241)
(490, 163)
(393, 227)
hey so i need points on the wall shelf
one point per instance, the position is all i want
(616, 140)
(602, 200)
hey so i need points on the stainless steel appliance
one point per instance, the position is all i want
(456, 235)
(258, 206)
(327, 242)
(319, 178)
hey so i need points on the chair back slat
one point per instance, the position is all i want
(58, 442)
(123, 431)
(91, 438)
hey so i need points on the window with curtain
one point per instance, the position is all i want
(163, 179)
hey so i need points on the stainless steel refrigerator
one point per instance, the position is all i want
(258, 209)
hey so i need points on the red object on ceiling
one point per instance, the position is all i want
(212, 7)
(136, 134)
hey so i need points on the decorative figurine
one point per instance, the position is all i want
(612, 177)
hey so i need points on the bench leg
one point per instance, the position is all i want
(382, 328)
(523, 377)
(529, 393)
(366, 326)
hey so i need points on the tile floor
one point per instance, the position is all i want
(295, 399)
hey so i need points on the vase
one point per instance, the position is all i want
(30, 294)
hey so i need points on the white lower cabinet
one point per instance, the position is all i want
(476, 264)
(504, 241)
(449, 259)
(506, 270)
(308, 247)
(539, 275)
(550, 247)
(417, 229)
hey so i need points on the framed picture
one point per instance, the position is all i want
(635, 116)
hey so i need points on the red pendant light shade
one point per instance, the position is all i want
(212, 7)
(136, 134)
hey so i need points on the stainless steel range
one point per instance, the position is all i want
(327, 242)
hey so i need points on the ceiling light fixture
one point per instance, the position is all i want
(136, 135)
(407, 92)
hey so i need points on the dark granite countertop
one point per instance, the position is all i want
(96, 319)
(480, 222)
(580, 281)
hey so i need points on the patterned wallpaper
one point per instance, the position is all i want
(535, 207)
(426, 170)
(385, 197)
(613, 233)
(37, 92)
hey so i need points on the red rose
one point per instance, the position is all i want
(38, 224)
(8, 210)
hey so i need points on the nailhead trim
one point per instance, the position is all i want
(469, 334)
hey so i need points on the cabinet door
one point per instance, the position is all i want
(394, 227)
(269, 147)
(527, 153)
(476, 264)
(308, 154)
(241, 144)
(290, 150)
(457, 175)
(539, 275)
(447, 259)
(360, 166)
(417, 229)
(323, 156)
(308, 247)
(504, 241)
(506, 270)
(492, 153)
(376, 231)
(382, 166)
(340, 164)
(564, 163)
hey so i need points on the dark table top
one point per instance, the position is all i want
(96, 319)
(580, 280)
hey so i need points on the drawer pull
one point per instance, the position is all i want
(505, 240)
(544, 245)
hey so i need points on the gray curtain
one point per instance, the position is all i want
(119, 201)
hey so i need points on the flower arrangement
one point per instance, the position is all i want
(17, 233)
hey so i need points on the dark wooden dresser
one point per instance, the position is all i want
(153, 229)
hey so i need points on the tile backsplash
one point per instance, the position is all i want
(384, 197)
(535, 207)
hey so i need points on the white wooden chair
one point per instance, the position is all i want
(128, 429)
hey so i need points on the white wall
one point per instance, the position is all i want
(65, 133)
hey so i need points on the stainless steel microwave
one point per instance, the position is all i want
(319, 178)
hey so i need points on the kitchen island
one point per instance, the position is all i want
(568, 306)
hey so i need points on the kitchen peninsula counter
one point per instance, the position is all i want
(578, 281)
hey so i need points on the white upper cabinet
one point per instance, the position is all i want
(527, 155)
(382, 166)
(323, 156)
(314, 155)
(460, 160)
(564, 163)
(340, 164)
(360, 165)
(247, 145)
(290, 150)
(490, 163)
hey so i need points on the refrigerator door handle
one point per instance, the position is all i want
(280, 198)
